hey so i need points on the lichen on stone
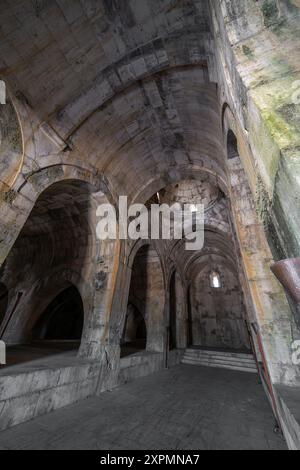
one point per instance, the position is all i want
(270, 12)
(291, 114)
(11, 143)
(248, 52)
(278, 127)
(8, 196)
(10, 135)
(263, 203)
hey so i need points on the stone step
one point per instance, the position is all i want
(220, 359)
(223, 353)
(221, 366)
(215, 361)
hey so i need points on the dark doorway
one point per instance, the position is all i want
(63, 318)
(232, 145)
(134, 337)
(58, 330)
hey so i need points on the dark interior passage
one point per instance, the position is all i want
(134, 338)
(46, 315)
(58, 330)
(143, 326)
(62, 319)
(135, 332)
(232, 145)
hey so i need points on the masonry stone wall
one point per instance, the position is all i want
(218, 314)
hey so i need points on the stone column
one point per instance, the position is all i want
(271, 308)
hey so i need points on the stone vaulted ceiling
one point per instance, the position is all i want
(124, 85)
(133, 90)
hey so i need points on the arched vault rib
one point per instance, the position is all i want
(149, 59)
(216, 243)
(121, 91)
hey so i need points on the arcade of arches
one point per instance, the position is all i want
(164, 101)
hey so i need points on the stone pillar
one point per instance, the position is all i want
(181, 315)
(271, 308)
(109, 352)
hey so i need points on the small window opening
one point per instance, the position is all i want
(193, 208)
(232, 146)
(215, 280)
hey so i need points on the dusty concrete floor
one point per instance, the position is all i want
(184, 408)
